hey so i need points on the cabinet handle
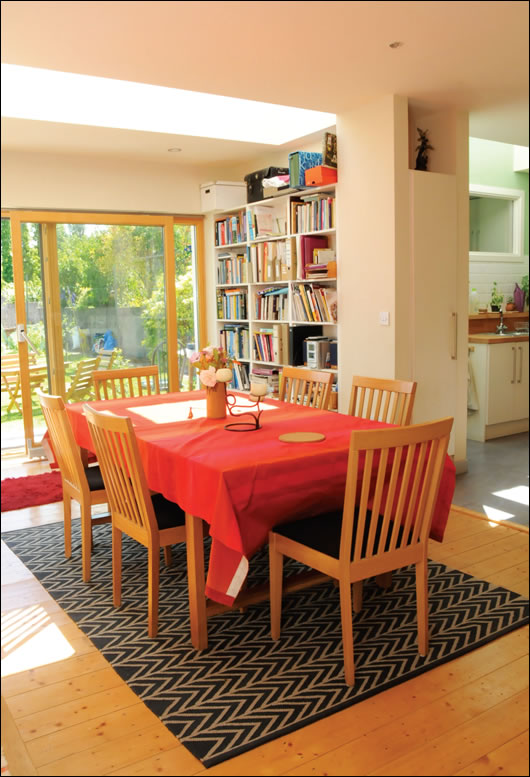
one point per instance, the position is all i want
(454, 318)
(520, 379)
(514, 354)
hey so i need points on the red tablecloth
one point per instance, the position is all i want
(243, 484)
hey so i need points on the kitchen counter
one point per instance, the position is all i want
(491, 339)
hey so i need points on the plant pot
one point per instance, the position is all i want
(510, 306)
(216, 401)
(495, 308)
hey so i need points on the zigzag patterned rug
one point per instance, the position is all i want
(245, 689)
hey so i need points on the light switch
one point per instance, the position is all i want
(384, 318)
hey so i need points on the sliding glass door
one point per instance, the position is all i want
(122, 289)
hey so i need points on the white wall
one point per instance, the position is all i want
(61, 181)
(372, 242)
(507, 274)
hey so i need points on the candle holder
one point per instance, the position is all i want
(256, 393)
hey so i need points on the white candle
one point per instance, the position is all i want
(224, 375)
(258, 389)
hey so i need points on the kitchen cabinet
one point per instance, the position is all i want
(499, 369)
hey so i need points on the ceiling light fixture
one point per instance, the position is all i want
(70, 98)
(396, 44)
(174, 149)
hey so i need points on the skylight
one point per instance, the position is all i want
(69, 98)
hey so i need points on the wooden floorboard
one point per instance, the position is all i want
(68, 712)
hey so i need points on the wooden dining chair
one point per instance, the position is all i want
(392, 484)
(151, 520)
(81, 386)
(301, 386)
(386, 400)
(127, 382)
(84, 484)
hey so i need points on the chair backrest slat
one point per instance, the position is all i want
(127, 382)
(381, 399)
(311, 388)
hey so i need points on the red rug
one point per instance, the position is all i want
(32, 490)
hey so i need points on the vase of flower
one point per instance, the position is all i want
(216, 401)
(214, 373)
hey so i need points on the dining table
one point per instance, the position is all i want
(241, 484)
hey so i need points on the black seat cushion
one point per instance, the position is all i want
(168, 514)
(322, 533)
(94, 478)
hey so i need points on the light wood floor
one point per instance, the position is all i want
(66, 712)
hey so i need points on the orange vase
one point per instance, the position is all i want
(216, 401)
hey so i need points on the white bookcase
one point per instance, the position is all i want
(262, 288)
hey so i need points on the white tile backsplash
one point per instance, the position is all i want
(507, 274)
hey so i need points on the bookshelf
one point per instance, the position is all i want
(276, 284)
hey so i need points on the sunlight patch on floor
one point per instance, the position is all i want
(516, 494)
(496, 515)
(30, 640)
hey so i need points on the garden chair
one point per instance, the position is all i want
(82, 386)
(11, 383)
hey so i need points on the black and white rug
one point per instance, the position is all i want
(246, 689)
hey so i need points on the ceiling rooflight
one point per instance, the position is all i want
(69, 98)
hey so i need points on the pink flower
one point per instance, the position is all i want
(207, 377)
(195, 357)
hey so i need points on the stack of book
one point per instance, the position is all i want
(234, 338)
(234, 269)
(314, 302)
(324, 264)
(231, 229)
(272, 304)
(240, 377)
(271, 343)
(232, 303)
(313, 212)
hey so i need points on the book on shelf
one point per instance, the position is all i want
(240, 379)
(270, 343)
(329, 150)
(308, 243)
(271, 303)
(323, 255)
(330, 296)
(264, 222)
(234, 338)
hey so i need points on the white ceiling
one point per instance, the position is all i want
(326, 56)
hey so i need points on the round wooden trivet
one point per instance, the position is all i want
(302, 437)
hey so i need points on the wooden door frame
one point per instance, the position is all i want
(49, 221)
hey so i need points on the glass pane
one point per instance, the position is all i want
(186, 294)
(490, 224)
(113, 297)
(12, 426)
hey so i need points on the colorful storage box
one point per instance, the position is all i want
(320, 176)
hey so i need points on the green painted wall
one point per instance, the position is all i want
(491, 164)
